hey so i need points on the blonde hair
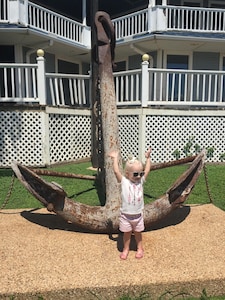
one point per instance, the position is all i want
(131, 160)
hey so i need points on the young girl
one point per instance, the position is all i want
(131, 218)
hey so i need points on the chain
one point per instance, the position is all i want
(9, 193)
(207, 184)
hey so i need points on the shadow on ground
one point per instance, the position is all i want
(53, 221)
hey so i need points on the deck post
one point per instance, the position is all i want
(41, 82)
(145, 81)
(151, 16)
(18, 12)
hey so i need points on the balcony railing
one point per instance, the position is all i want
(44, 20)
(152, 19)
(29, 83)
(68, 90)
(131, 25)
(194, 19)
(128, 87)
(185, 87)
(48, 21)
(18, 83)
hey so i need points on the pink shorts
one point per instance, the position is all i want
(131, 223)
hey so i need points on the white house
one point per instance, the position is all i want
(176, 96)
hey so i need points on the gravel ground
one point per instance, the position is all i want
(42, 255)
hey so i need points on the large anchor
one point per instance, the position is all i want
(106, 218)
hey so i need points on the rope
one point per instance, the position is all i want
(9, 193)
(207, 184)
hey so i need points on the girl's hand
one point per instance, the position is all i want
(147, 154)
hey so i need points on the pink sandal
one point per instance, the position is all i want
(140, 253)
(124, 255)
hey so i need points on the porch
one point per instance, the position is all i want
(51, 119)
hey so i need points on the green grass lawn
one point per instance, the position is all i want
(84, 191)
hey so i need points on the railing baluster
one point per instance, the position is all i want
(138, 87)
(223, 22)
(34, 82)
(57, 91)
(203, 20)
(71, 91)
(185, 87)
(20, 83)
(179, 87)
(215, 87)
(221, 93)
(79, 92)
(195, 19)
(27, 83)
(5, 82)
(13, 83)
(207, 21)
(209, 85)
(203, 87)
(76, 91)
(191, 87)
(167, 86)
(173, 87)
(154, 86)
(61, 89)
(130, 87)
(122, 88)
(197, 89)
(161, 86)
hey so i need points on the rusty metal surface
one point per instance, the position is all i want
(104, 219)
(62, 174)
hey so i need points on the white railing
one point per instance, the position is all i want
(46, 20)
(18, 83)
(142, 87)
(185, 87)
(128, 87)
(68, 89)
(152, 19)
(194, 19)
(132, 24)
(170, 87)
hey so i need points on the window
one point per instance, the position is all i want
(177, 62)
(176, 80)
(217, 4)
(192, 3)
(67, 67)
(7, 54)
(120, 66)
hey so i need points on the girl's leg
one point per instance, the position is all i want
(140, 250)
(126, 244)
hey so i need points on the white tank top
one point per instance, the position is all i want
(132, 196)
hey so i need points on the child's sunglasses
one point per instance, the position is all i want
(136, 174)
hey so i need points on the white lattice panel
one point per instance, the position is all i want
(70, 137)
(21, 138)
(128, 132)
(167, 133)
